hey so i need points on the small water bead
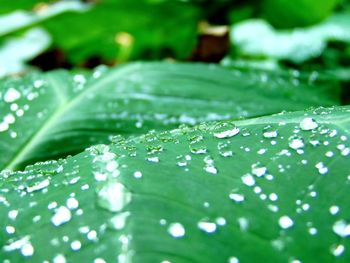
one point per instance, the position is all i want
(233, 260)
(296, 143)
(262, 151)
(258, 170)
(181, 161)
(322, 169)
(273, 197)
(27, 250)
(12, 214)
(337, 250)
(10, 229)
(270, 134)
(72, 203)
(312, 231)
(59, 259)
(285, 222)
(243, 223)
(113, 196)
(227, 133)
(154, 159)
(308, 124)
(38, 186)
(4, 126)
(207, 226)
(196, 149)
(12, 95)
(99, 260)
(62, 216)
(341, 228)
(221, 221)
(248, 180)
(75, 245)
(238, 198)
(334, 210)
(138, 174)
(176, 230)
(329, 154)
(118, 222)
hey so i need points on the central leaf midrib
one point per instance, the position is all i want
(64, 107)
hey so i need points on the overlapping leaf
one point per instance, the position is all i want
(43, 116)
(269, 189)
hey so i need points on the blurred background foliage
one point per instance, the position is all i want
(264, 34)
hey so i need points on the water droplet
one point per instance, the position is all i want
(258, 170)
(243, 223)
(27, 250)
(154, 159)
(176, 230)
(137, 174)
(308, 124)
(285, 222)
(227, 133)
(118, 221)
(296, 143)
(322, 169)
(337, 250)
(75, 245)
(113, 196)
(12, 95)
(334, 210)
(62, 216)
(248, 180)
(59, 259)
(233, 260)
(206, 226)
(38, 186)
(72, 203)
(341, 228)
(238, 198)
(270, 134)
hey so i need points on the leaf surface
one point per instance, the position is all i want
(267, 189)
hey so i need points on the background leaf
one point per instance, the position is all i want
(270, 189)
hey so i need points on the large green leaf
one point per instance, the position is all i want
(271, 189)
(43, 116)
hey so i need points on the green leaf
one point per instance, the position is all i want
(114, 30)
(297, 13)
(44, 116)
(19, 19)
(271, 189)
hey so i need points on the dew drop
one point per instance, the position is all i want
(337, 250)
(285, 222)
(308, 124)
(176, 230)
(206, 226)
(228, 133)
(296, 143)
(113, 196)
(12, 95)
(118, 221)
(248, 180)
(62, 216)
(233, 260)
(238, 198)
(341, 228)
